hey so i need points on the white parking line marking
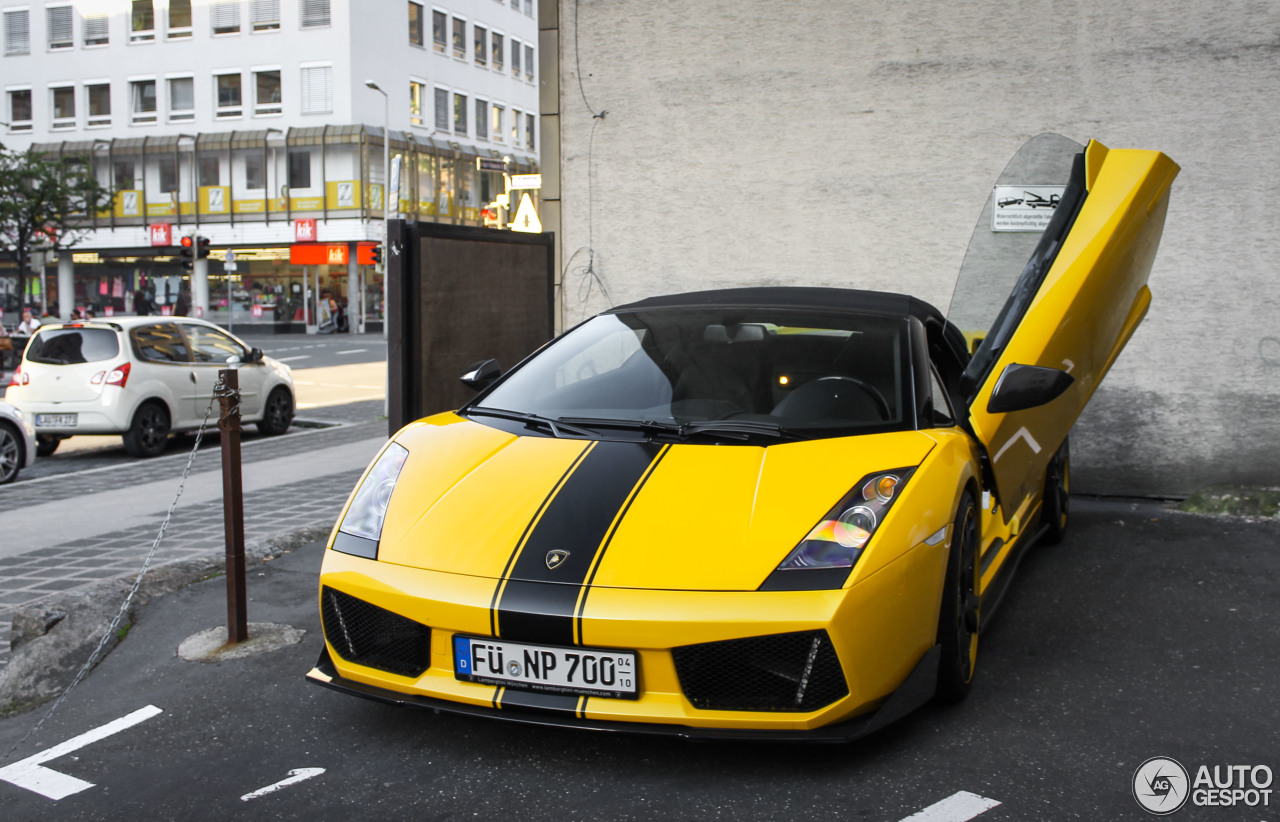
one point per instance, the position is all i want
(352, 351)
(289, 359)
(959, 807)
(296, 775)
(32, 775)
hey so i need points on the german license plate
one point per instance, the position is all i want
(546, 668)
(56, 420)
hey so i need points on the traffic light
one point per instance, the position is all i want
(187, 253)
(202, 247)
(377, 254)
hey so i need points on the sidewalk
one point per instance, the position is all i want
(71, 531)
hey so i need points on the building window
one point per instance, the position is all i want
(142, 22)
(482, 119)
(179, 19)
(122, 175)
(315, 13)
(20, 110)
(182, 99)
(515, 4)
(439, 30)
(496, 118)
(416, 92)
(61, 28)
(167, 166)
(142, 95)
(515, 57)
(230, 102)
(480, 44)
(460, 113)
(497, 51)
(17, 32)
(528, 7)
(528, 63)
(225, 15)
(459, 38)
(442, 109)
(255, 171)
(209, 171)
(530, 132)
(264, 15)
(267, 98)
(299, 168)
(515, 126)
(317, 89)
(95, 30)
(415, 23)
(99, 95)
(64, 106)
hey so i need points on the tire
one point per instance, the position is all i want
(1055, 506)
(11, 454)
(277, 414)
(46, 445)
(958, 616)
(148, 434)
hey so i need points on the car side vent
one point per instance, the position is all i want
(781, 672)
(365, 634)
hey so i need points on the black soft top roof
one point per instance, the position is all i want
(837, 299)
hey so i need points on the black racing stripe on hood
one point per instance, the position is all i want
(537, 602)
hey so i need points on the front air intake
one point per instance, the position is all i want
(781, 672)
(375, 637)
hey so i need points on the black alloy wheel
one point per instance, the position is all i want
(958, 617)
(1056, 503)
(278, 413)
(10, 454)
(148, 436)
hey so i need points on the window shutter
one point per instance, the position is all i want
(17, 32)
(317, 90)
(264, 14)
(482, 119)
(225, 15)
(315, 13)
(61, 31)
(442, 110)
(95, 30)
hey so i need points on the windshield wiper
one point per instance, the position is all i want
(743, 429)
(649, 427)
(558, 427)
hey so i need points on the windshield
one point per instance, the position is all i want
(70, 346)
(739, 370)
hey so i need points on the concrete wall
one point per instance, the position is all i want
(854, 144)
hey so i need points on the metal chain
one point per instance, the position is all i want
(219, 390)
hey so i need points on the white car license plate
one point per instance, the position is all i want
(56, 420)
(547, 668)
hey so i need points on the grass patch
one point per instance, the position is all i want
(1239, 502)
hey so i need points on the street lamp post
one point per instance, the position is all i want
(386, 197)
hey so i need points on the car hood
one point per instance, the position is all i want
(474, 500)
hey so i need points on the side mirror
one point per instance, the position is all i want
(1026, 386)
(481, 375)
(255, 355)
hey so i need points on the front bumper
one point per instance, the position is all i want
(915, 691)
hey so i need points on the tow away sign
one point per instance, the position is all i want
(1024, 208)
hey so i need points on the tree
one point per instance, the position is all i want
(45, 203)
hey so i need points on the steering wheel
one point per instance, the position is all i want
(871, 391)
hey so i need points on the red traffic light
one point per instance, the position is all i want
(186, 242)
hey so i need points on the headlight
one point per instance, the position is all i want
(361, 528)
(842, 535)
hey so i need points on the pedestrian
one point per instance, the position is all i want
(28, 325)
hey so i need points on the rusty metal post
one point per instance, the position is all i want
(233, 503)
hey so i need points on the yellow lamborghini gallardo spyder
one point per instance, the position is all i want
(778, 513)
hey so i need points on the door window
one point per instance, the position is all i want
(162, 342)
(212, 345)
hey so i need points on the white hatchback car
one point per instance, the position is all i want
(141, 377)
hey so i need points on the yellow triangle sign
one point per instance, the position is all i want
(526, 217)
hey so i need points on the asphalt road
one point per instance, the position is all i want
(1146, 633)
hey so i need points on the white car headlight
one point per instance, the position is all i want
(361, 527)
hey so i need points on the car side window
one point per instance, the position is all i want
(160, 342)
(212, 345)
(941, 405)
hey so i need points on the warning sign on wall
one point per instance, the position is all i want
(1024, 208)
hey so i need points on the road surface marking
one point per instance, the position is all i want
(296, 775)
(55, 785)
(291, 359)
(352, 351)
(959, 807)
